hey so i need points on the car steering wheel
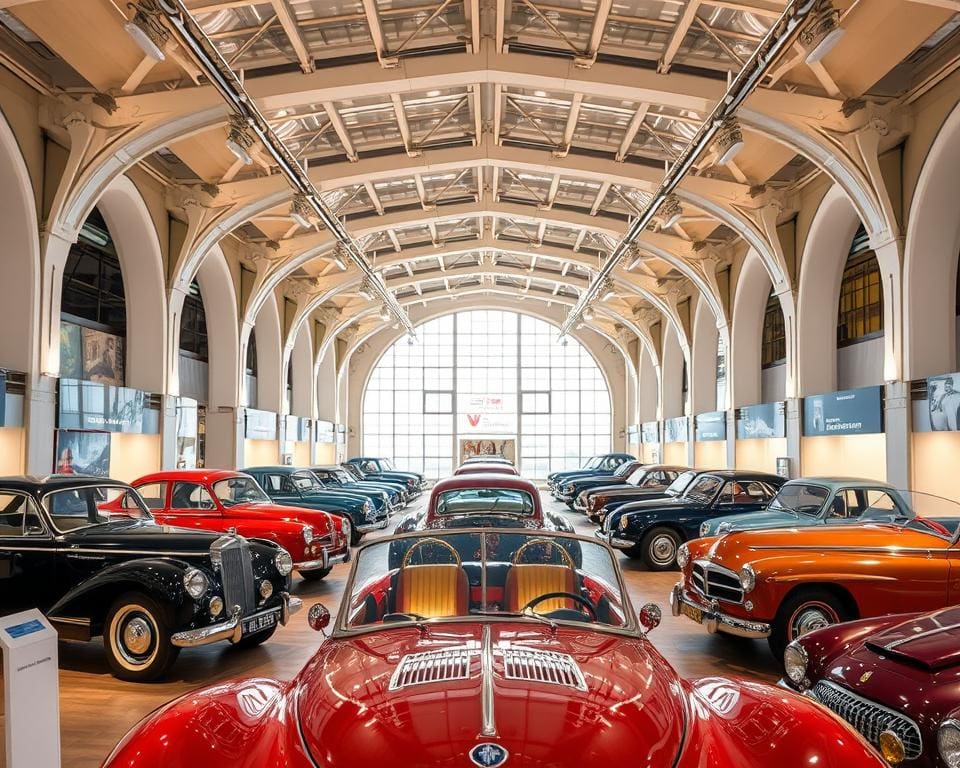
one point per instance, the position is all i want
(565, 555)
(591, 608)
(430, 540)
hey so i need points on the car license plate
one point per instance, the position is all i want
(692, 612)
(260, 622)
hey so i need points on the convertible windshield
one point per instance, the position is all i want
(91, 505)
(239, 490)
(800, 499)
(507, 573)
(464, 501)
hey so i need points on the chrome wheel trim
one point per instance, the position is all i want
(134, 637)
(663, 549)
(811, 616)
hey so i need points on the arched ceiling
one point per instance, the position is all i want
(499, 146)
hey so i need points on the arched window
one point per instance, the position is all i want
(93, 310)
(486, 376)
(252, 354)
(774, 343)
(861, 294)
(193, 325)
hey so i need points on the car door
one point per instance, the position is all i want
(27, 555)
(191, 506)
(739, 497)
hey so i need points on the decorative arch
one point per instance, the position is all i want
(930, 263)
(749, 304)
(671, 390)
(300, 364)
(703, 373)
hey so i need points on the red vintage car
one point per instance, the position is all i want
(223, 500)
(490, 648)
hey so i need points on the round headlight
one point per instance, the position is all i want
(724, 528)
(704, 529)
(795, 662)
(948, 741)
(266, 589)
(891, 747)
(307, 534)
(568, 489)
(283, 562)
(748, 579)
(345, 528)
(683, 556)
(195, 582)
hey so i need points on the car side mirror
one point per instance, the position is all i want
(318, 617)
(650, 616)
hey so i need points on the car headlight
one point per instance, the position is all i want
(568, 489)
(795, 662)
(948, 742)
(345, 529)
(624, 522)
(195, 582)
(683, 556)
(283, 562)
(307, 534)
(724, 528)
(369, 513)
(748, 578)
(704, 529)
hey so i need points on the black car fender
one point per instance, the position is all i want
(642, 522)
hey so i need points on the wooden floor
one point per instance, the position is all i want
(96, 709)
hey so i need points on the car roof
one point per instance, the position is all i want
(194, 475)
(46, 483)
(742, 474)
(485, 480)
(281, 468)
(845, 482)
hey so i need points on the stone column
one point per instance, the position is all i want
(897, 425)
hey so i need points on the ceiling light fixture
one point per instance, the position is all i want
(300, 210)
(239, 139)
(146, 31)
(823, 33)
(729, 140)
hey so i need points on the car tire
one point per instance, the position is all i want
(136, 636)
(659, 548)
(257, 638)
(355, 536)
(315, 575)
(802, 612)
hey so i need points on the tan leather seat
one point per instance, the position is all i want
(432, 590)
(525, 581)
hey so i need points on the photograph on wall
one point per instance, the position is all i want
(488, 446)
(82, 453)
(102, 357)
(325, 431)
(90, 405)
(650, 432)
(260, 425)
(633, 434)
(850, 412)
(761, 421)
(943, 402)
(71, 351)
(675, 430)
(710, 426)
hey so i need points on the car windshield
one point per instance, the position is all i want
(463, 575)
(83, 507)
(623, 469)
(596, 461)
(238, 490)
(466, 501)
(636, 477)
(306, 481)
(678, 486)
(353, 471)
(342, 476)
(704, 488)
(799, 499)
(386, 464)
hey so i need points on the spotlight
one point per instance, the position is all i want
(146, 32)
(822, 33)
(729, 140)
(669, 212)
(239, 139)
(300, 210)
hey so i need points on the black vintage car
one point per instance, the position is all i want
(654, 530)
(86, 552)
(646, 481)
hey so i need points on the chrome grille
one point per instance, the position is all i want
(715, 582)
(536, 666)
(868, 718)
(437, 666)
(236, 571)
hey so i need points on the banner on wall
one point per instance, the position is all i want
(650, 432)
(850, 412)
(90, 405)
(81, 452)
(187, 413)
(260, 425)
(325, 431)
(487, 423)
(341, 434)
(296, 429)
(761, 421)
(675, 430)
(633, 434)
(942, 405)
(488, 447)
(710, 426)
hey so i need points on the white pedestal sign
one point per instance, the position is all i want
(31, 691)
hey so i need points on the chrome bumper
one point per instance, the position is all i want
(324, 562)
(377, 526)
(232, 628)
(616, 542)
(714, 620)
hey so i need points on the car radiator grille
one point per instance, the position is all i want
(237, 573)
(868, 718)
(715, 582)
(536, 666)
(437, 666)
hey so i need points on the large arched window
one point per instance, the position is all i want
(486, 374)
(860, 314)
(774, 344)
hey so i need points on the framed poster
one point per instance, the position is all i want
(260, 425)
(849, 412)
(102, 357)
(650, 431)
(675, 430)
(943, 403)
(96, 406)
(326, 431)
(764, 420)
(710, 426)
(488, 446)
(81, 452)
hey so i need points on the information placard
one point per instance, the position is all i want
(849, 412)
(764, 420)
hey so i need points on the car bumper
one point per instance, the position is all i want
(327, 560)
(580, 506)
(232, 628)
(379, 525)
(713, 619)
(607, 537)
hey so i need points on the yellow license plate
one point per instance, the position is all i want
(692, 612)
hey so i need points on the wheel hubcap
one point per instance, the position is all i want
(809, 619)
(663, 549)
(137, 636)
(134, 637)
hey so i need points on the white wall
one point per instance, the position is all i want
(860, 365)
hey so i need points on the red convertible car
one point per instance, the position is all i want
(475, 647)
(222, 500)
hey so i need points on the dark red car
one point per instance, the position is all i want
(224, 500)
(896, 679)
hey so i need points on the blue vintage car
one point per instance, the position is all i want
(820, 501)
(569, 489)
(339, 479)
(373, 468)
(654, 530)
(605, 464)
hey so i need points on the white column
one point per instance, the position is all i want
(168, 432)
(897, 425)
(794, 419)
(40, 421)
(225, 436)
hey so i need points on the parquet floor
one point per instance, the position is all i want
(96, 709)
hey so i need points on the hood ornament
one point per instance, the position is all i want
(866, 676)
(488, 755)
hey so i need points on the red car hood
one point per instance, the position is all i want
(632, 703)
(317, 519)
(931, 640)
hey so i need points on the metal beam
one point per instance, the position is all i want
(341, 129)
(676, 38)
(573, 116)
(596, 33)
(292, 31)
(631, 133)
(376, 35)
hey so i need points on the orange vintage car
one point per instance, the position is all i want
(779, 584)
